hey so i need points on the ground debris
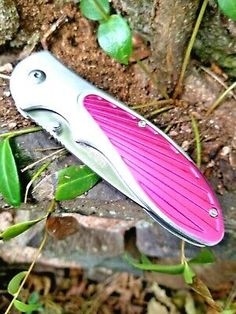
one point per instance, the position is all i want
(69, 291)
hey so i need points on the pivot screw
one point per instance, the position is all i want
(213, 212)
(142, 124)
(37, 76)
(57, 128)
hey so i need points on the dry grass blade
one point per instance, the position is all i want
(158, 111)
(220, 99)
(35, 176)
(217, 79)
(197, 141)
(53, 155)
(199, 287)
(178, 88)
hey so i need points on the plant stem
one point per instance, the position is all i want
(182, 252)
(54, 154)
(158, 111)
(101, 10)
(179, 86)
(220, 98)
(51, 207)
(35, 176)
(197, 141)
(28, 272)
(21, 132)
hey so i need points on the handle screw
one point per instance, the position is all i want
(213, 212)
(142, 124)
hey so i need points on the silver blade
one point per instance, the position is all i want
(55, 125)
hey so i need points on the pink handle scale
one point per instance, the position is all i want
(170, 180)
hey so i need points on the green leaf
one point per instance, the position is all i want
(205, 256)
(15, 282)
(145, 260)
(74, 181)
(167, 269)
(114, 36)
(9, 180)
(95, 10)
(228, 7)
(34, 298)
(17, 229)
(23, 307)
(188, 274)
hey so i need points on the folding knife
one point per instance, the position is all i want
(121, 146)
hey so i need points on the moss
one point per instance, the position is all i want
(216, 41)
(9, 21)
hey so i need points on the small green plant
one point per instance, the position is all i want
(114, 34)
(205, 256)
(228, 7)
(9, 179)
(185, 269)
(72, 181)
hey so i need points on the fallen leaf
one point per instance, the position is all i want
(199, 287)
(155, 307)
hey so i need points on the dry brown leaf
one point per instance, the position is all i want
(155, 307)
(189, 304)
(39, 283)
(61, 227)
(199, 287)
(161, 296)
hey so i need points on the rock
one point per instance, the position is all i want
(232, 158)
(166, 27)
(9, 21)
(229, 175)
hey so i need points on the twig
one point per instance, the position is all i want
(158, 111)
(197, 141)
(167, 129)
(4, 76)
(35, 176)
(62, 19)
(182, 252)
(42, 244)
(220, 98)
(46, 149)
(217, 79)
(54, 154)
(21, 132)
(179, 86)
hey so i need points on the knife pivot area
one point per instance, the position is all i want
(121, 146)
(37, 76)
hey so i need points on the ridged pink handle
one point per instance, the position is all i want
(169, 179)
